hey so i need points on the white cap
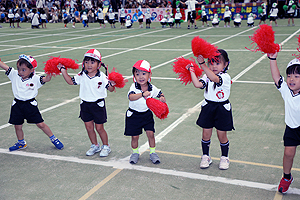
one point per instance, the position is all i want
(295, 61)
(29, 59)
(142, 65)
(93, 53)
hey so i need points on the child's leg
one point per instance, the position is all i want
(102, 133)
(135, 149)
(206, 135)
(293, 21)
(151, 139)
(135, 141)
(288, 158)
(45, 128)
(224, 142)
(89, 126)
(19, 132)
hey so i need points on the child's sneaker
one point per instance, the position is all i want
(105, 150)
(57, 143)
(18, 146)
(224, 163)
(205, 161)
(154, 158)
(284, 185)
(94, 149)
(134, 158)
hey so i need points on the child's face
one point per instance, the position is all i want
(142, 77)
(91, 66)
(23, 71)
(217, 67)
(293, 82)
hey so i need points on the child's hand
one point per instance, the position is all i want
(112, 83)
(190, 68)
(146, 94)
(60, 66)
(200, 59)
(272, 55)
(47, 78)
(162, 99)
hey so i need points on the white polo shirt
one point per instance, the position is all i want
(91, 88)
(140, 104)
(191, 4)
(24, 89)
(221, 92)
(227, 13)
(291, 105)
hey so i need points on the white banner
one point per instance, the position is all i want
(156, 13)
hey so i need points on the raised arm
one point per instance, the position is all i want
(3, 65)
(195, 80)
(210, 74)
(65, 74)
(274, 68)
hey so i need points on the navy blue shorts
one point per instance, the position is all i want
(136, 121)
(204, 18)
(216, 114)
(28, 110)
(192, 15)
(93, 111)
(291, 136)
(227, 19)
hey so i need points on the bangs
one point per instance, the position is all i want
(293, 69)
(90, 59)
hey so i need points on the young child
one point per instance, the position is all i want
(273, 14)
(140, 17)
(216, 108)
(84, 20)
(290, 92)
(164, 21)
(25, 84)
(204, 16)
(73, 17)
(17, 18)
(65, 18)
(128, 22)
(93, 85)
(35, 22)
(178, 17)
(215, 21)
(250, 20)
(100, 18)
(171, 21)
(11, 18)
(291, 12)
(148, 18)
(122, 18)
(138, 115)
(237, 20)
(263, 15)
(43, 18)
(227, 16)
(111, 18)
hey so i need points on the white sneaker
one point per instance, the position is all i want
(94, 149)
(105, 150)
(224, 163)
(205, 161)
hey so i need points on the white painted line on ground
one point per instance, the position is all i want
(125, 165)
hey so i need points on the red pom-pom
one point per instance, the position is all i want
(117, 78)
(51, 65)
(264, 39)
(159, 108)
(298, 56)
(179, 67)
(68, 63)
(204, 48)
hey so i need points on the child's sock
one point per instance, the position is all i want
(135, 150)
(287, 176)
(52, 137)
(21, 141)
(205, 147)
(225, 148)
(152, 149)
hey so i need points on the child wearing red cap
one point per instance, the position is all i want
(25, 84)
(290, 92)
(138, 115)
(93, 85)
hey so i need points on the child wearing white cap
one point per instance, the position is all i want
(138, 115)
(93, 85)
(25, 84)
(290, 92)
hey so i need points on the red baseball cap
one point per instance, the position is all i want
(93, 53)
(142, 65)
(29, 59)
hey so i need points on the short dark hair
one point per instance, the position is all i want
(223, 56)
(25, 62)
(293, 69)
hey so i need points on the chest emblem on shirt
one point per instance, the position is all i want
(220, 94)
(99, 84)
(30, 86)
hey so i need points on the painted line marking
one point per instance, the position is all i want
(99, 185)
(126, 165)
